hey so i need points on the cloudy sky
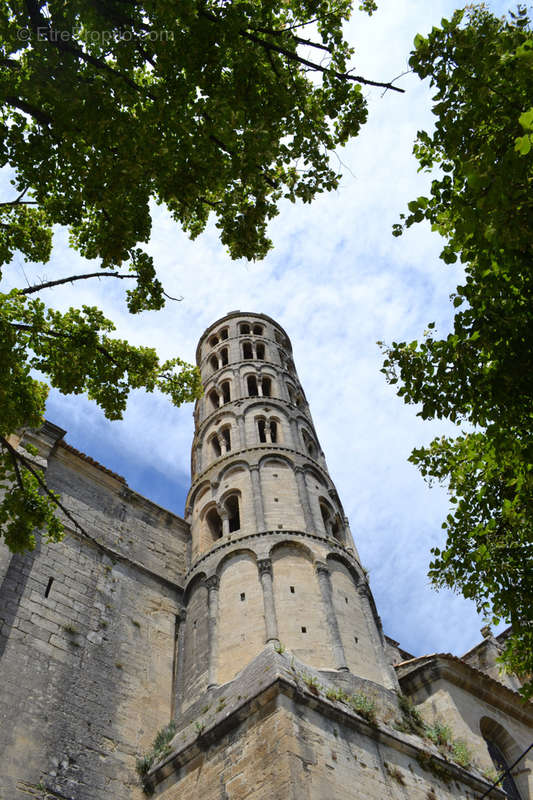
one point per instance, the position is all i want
(338, 282)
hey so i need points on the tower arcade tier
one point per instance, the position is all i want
(272, 556)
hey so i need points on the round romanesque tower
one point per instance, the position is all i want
(272, 557)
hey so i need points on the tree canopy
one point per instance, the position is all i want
(205, 107)
(480, 375)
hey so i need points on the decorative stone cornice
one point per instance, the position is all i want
(422, 672)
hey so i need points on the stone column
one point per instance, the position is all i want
(237, 382)
(294, 434)
(225, 520)
(212, 584)
(304, 499)
(326, 591)
(180, 662)
(257, 497)
(264, 566)
(242, 431)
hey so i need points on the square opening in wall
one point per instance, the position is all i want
(243, 596)
(292, 589)
(304, 629)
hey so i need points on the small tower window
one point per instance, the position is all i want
(216, 446)
(224, 333)
(243, 597)
(260, 350)
(226, 392)
(244, 328)
(252, 386)
(48, 587)
(304, 629)
(213, 341)
(224, 356)
(214, 523)
(261, 426)
(292, 393)
(292, 589)
(258, 330)
(309, 445)
(273, 431)
(213, 362)
(247, 350)
(232, 505)
(214, 398)
(266, 385)
(277, 337)
(227, 438)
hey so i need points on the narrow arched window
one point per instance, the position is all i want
(214, 523)
(214, 398)
(232, 506)
(258, 330)
(213, 341)
(327, 516)
(224, 333)
(261, 427)
(266, 386)
(244, 328)
(310, 446)
(215, 446)
(226, 396)
(277, 337)
(226, 435)
(292, 393)
(214, 363)
(224, 356)
(260, 350)
(247, 350)
(251, 382)
(273, 431)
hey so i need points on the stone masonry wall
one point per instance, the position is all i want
(87, 641)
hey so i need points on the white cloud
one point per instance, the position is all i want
(337, 281)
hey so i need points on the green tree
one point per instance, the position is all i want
(480, 375)
(205, 107)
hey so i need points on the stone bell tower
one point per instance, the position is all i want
(272, 556)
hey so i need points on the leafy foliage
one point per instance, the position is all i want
(481, 373)
(205, 107)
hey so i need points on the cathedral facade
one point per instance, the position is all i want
(236, 653)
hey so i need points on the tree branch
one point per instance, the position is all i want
(38, 114)
(15, 455)
(72, 278)
(19, 326)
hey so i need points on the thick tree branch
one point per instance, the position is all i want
(72, 278)
(37, 113)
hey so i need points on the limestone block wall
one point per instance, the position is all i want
(87, 640)
(472, 718)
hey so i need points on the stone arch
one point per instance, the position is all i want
(331, 519)
(198, 492)
(245, 328)
(227, 469)
(276, 459)
(503, 751)
(197, 578)
(241, 626)
(302, 622)
(258, 330)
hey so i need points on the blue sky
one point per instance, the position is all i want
(337, 281)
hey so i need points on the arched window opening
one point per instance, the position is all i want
(244, 328)
(226, 435)
(336, 529)
(260, 350)
(232, 506)
(292, 394)
(500, 763)
(252, 386)
(213, 362)
(226, 396)
(224, 356)
(277, 337)
(310, 446)
(213, 341)
(273, 431)
(266, 386)
(215, 446)
(261, 427)
(299, 401)
(214, 398)
(214, 523)
(258, 330)
(327, 517)
(290, 364)
(247, 350)
(224, 333)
